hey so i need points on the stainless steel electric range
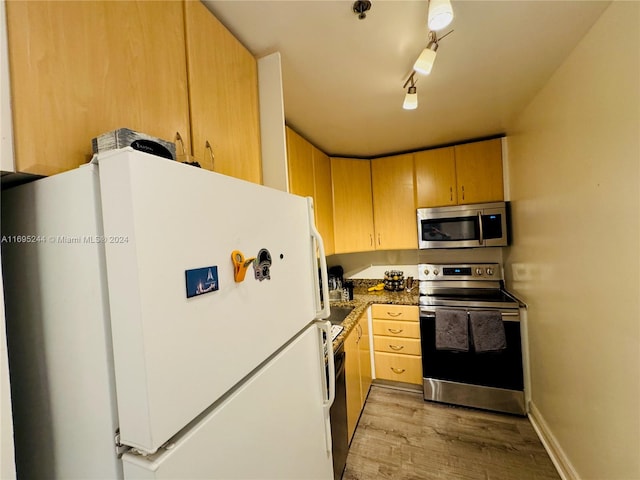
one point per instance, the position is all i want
(489, 380)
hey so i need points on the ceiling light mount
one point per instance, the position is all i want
(361, 7)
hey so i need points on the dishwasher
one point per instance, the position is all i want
(338, 414)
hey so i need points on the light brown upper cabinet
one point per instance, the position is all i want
(223, 96)
(479, 171)
(436, 177)
(394, 210)
(310, 176)
(352, 207)
(81, 69)
(323, 199)
(458, 175)
(300, 163)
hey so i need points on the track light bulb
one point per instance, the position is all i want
(411, 99)
(424, 63)
(440, 14)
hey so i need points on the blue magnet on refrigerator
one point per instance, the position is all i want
(201, 280)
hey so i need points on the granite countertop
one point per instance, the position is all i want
(362, 299)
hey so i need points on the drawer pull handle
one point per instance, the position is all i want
(397, 370)
(396, 347)
(394, 314)
(395, 331)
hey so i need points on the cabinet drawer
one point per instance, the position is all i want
(399, 368)
(405, 346)
(395, 312)
(393, 328)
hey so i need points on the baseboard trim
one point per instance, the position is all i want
(556, 453)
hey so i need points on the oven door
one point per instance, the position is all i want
(481, 225)
(492, 380)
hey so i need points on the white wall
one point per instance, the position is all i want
(273, 138)
(575, 183)
(370, 264)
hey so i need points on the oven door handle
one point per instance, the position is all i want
(509, 315)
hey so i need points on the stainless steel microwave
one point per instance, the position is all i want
(463, 226)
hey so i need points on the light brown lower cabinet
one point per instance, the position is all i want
(357, 371)
(396, 343)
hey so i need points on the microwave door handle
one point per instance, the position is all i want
(481, 239)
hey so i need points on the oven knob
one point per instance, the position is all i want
(489, 271)
(479, 271)
(436, 271)
(426, 271)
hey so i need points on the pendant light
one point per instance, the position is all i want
(440, 14)
(411, 97)
(424, 63)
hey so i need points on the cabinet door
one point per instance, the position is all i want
(323, 198)
(223, 96)
(352, 378)
(352, 207)
(300, 162)
(479, 171)
(364, 351)
(436, 177)
(394, 210)
(81, 69)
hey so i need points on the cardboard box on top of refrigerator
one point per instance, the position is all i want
(124, 137)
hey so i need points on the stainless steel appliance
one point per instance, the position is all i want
(490, 380)
(463, 226)
(339, 431)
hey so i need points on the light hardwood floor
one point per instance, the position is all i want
(400, 436)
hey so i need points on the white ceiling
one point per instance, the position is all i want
(343, 76)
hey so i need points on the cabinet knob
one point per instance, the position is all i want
(395, 331)
(397, 370)
(396, 347)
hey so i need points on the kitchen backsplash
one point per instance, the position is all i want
(372, 265)
(377, 271)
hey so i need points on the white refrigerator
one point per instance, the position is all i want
(144, 341)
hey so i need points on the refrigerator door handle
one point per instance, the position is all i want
(322, 310)
(331, 387)
(330, 395)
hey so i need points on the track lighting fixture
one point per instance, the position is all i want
(411, 97)
(440, 14)
(424, 63)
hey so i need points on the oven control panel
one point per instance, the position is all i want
(470, 271)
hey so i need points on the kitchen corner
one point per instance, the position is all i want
(363, 299)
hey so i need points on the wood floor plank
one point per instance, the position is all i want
(400, 436)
